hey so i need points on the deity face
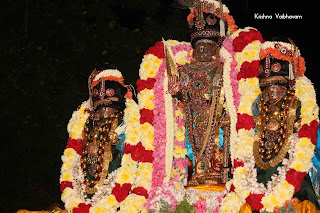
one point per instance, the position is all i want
(273, 75)
(274, 93)
(204, 51)
(273, 71)
(107, 98)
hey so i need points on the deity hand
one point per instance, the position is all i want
(173, 85)
(113, 137)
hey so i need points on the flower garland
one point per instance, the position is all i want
(146, 96)
(230, 85)
(244, 186)
(173, 195)
(157, 113)
(118, 184)
(167, 190)
(243, 46)
(179, 164)
(283, 186)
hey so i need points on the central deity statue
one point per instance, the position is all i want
(200, 88)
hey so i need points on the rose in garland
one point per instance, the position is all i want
(145, 84)
(82, 208)
(146, 116)
(76, 144)
(121, 192)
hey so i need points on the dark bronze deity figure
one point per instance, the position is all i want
(277, 114)
(200, 88)
(101, 153)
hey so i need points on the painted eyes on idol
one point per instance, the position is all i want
(109, 92)
(95, 92)
(275, 67)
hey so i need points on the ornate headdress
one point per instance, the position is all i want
(285, 52)
(106, 72)
(207, 19)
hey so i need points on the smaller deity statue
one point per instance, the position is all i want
(102, 148)
(278, 118)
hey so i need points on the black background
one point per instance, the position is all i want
(48, 50)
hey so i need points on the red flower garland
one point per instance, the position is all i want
(121, 192)
(139, 153)
(249, 70)
(157, 50)
(245, 38)
(65, 184)
(82, 208)
(237, 163)
(145, 84)
(146, 115)
(295, 178)
(254, 200)
(310, 131)
(245, 121)
(77, 145)
(140, 191)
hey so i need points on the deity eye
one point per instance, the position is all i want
(101, 94)
(95, 92)
(110, 92)
(283, 50)
(276, 67)
(211, 21)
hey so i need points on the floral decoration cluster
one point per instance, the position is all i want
(157, 111)
(244, 46)
(153, 172)
(121, 189)
(244, 188)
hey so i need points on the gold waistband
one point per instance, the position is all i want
(213, 188)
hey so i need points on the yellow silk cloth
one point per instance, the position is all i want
(212, 188)
(205, 188)
(303, 207)
(51, 209)
(245, 208)
(306, 207)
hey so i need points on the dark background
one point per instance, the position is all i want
(48, 50)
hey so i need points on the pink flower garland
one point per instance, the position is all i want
(227, 44)
(180, 48)
(178, 163)
(159, 124)
(158, 120)
(200, 206)
(159, 144)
